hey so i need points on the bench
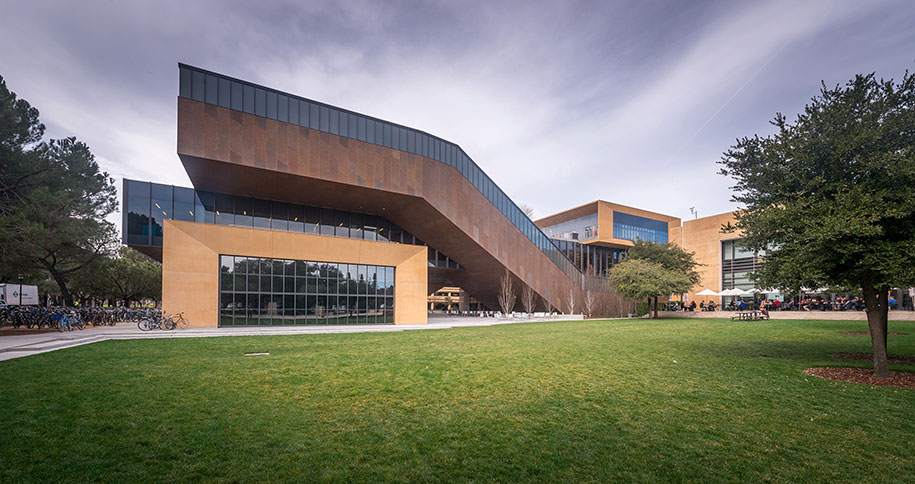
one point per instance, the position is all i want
(751, 316)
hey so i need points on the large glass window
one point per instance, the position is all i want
(260, 102)
(268, 292)
(161, 209)
(137, 212)
(249, 99)
(198, 87)
(225, 93)
(632, 227)
(243, 211)
(582, 228)
(183, 206)
(237, 97)
(737, 265)
(212, 89)
(271, 105)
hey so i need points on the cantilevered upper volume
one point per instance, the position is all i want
(241, 139)
(609, 224)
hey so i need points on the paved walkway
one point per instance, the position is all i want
(41, 342)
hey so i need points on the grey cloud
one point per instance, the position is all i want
(560, 102)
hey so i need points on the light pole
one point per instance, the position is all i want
(20, 277)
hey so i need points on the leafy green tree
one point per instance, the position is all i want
(129, 277)
(671, 256)
(677, 272)
(830, 197)
(19, 129)
(652, 270)
(53, 199)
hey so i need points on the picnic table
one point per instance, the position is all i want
(751, 315)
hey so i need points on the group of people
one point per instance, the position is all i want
(817, 303)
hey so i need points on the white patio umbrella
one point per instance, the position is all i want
(707, 292)
(734, 292)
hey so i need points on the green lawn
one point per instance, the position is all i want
(597, 401)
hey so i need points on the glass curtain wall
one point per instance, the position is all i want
(632, 227)
(582, 228)
(148, 204)
(590, 257)
(737, 264)
(275, 292)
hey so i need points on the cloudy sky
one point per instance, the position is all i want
(561, 103)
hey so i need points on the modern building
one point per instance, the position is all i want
(303, 212)
(306, 213)
(595, 236)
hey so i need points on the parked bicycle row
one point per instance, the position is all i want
(68, 318)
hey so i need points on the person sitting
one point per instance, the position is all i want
(692, 306)
(712, 306)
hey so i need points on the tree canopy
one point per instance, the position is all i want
(669, 255)
(53, 199)
(129, 277)
(829, 197)
(651, 270)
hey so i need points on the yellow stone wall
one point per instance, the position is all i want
(190, 265)
(703, 236)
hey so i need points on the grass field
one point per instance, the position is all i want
(597, 401)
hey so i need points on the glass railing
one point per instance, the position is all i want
(581, 228)
(219, 90)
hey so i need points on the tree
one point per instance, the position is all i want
(129, 277)
(828, 198)
(527, 209)
(588, 300)
(670, 257)
(54, 199)
(19, 129)
(528, 299)
(572, 300)
(506, 294)
(647, 279)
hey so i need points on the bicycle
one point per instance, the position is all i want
(64, 321)
(177, 320)
(150, 323)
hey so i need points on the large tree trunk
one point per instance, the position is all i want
(875, 300)
(62, 284)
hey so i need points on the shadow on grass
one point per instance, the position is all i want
(813, 351)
